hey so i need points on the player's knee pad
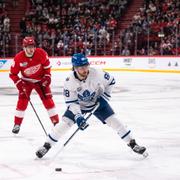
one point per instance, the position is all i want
(60, 129)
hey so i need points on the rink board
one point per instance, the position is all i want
(165, 64)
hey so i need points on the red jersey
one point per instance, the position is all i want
(31, 68)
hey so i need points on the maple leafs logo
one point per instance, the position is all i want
(86, 96)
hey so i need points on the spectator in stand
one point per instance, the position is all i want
(112, 24)
(6, 23)
(103, 35)
(15, 3)
(85, 21)
(126, 51)
(154, 18)
(22, 26)
(141, 52)
(75, 19)
(5, 35)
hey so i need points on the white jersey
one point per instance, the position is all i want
(82, 95)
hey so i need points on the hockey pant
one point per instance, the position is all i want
(44, 94)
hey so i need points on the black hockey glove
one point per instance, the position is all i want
(81, 122)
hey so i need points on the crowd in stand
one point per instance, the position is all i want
(155, 29)
(72, 26)
(63, 27)
(5, 36)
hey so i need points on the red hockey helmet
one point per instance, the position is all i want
(28, 41)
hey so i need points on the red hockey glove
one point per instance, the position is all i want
(20, 85)
(46, 80)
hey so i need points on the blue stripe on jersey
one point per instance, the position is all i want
(105, 97)
(112, 82)
(87, 110)
(52, 138)
(90, 106)
(125, 134)
(67, 102)
(107, 94)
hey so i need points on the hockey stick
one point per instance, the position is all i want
(38, 117)
(35, 112)
(42, 90)
(67, 141)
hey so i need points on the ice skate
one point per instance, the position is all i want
(16, 129)
(43, 150)
(138, 149)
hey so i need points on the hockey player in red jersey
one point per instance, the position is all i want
(34, 66)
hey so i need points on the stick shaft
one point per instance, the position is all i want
(38, 117)
(61, 149)
(35, 113)
(89, 115)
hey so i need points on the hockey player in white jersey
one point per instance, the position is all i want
(84, 87)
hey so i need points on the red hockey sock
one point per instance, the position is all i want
(55, 119)
(18, 120)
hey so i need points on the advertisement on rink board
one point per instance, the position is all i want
(3, 64)
(144, 64)
(165, 64)
(117, 63)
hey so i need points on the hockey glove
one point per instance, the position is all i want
(20, 85)
(81, 122)
(46, 80)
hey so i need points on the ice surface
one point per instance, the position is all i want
(149, 103)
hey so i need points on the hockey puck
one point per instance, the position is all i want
(58, 169)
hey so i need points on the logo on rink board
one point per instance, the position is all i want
(127, 61)
(2, 62)
(152, 62)
(173, 64)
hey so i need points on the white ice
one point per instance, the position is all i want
(148, 103)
